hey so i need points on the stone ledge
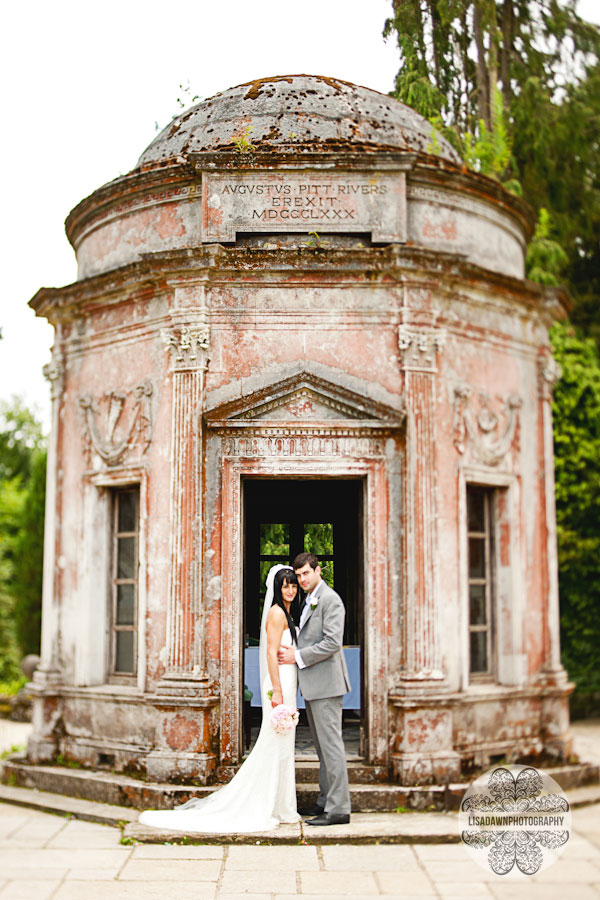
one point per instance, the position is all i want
(364, 828)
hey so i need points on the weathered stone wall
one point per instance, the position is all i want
(401, 347)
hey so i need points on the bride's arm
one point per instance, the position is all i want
(276, 624)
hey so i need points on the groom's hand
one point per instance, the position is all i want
(286, 656)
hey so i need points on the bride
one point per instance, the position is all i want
(263, 791)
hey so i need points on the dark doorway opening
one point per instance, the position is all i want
(283, 517)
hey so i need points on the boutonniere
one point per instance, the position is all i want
(313, 605)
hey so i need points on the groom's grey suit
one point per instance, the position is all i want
(323, 681)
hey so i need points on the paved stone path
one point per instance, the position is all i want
(49, 857)
(46, 857)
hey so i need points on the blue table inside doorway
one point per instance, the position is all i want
(351, 699)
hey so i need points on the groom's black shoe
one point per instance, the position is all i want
(329, 819)
(314, 810)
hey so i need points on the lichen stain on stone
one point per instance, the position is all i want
(256, 86)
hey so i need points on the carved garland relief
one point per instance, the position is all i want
(489, 432)
(127, 419)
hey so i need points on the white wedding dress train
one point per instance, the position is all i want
(263, 791)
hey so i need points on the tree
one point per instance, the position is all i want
(11, 504)
(20, 437)
(455, 54)
(515, 85)
(576, 408)
(26, 586)
(22, 492)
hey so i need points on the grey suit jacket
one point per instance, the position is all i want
(320, 645)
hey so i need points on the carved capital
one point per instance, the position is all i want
(189, 344)
(489, 432)
(419, 348)
(54, 372)
(127, 416)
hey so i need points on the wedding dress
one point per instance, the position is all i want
(263, 791)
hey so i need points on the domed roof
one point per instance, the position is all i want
(296, 112)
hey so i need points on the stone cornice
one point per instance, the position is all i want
(445, 176)
(373, 158)
(400, 263)
(122, 190)
(422, 168)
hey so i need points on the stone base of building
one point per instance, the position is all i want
(166, 739)
(438, 736)
(433, 767)
(41, 750)
(434, 737)
(164, 765)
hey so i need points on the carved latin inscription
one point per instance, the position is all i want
(481, 426)
(302, 202)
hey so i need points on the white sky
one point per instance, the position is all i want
(84, 85)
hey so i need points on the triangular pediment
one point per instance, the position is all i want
(304, 398)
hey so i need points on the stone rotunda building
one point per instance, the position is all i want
(300, 321)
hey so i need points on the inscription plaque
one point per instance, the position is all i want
(304, 201)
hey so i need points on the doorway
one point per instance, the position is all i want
(283, 517)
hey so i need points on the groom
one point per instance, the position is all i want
(323, 679)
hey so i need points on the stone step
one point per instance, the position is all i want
(307, 770)
(87, 810)
(359, 772)
(116, 789)
(122, 790)
(98, 785)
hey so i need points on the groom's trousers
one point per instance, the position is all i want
(325, 722)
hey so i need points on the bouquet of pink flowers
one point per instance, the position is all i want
(284, 718)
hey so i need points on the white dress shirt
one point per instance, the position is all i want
(309, 598)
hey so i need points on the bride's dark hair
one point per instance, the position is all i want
(287, 576)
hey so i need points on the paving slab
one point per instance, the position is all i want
(171, 870)
(413, 882)
(359, 884)
(526, 890)
(250, 881)
(26, 873)
(40, 857)
(250, 857)
(89, 874)
(569, 871)
(177, 851)
(344, 857)
(133, 890)
(465, 890)
(75, 833)
(29, 889)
